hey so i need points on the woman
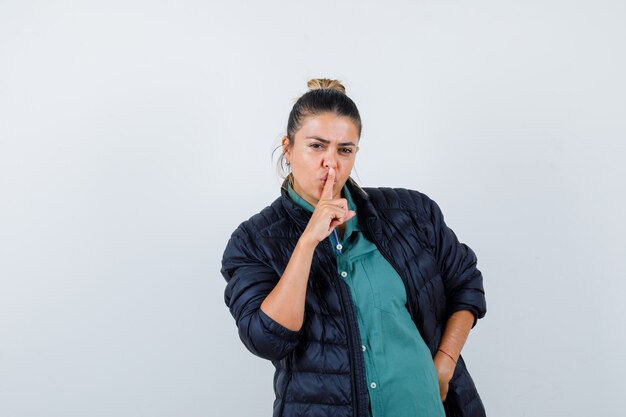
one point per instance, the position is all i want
(362, 298)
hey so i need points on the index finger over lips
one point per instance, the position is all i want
(327, 192)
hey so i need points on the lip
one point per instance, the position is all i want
(324, 180)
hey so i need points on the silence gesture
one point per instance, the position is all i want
(329, 212)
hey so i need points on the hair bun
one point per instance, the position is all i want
(325, 84)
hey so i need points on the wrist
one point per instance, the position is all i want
(444, 361)
(305, 242)
(444, 366)
(448, 355)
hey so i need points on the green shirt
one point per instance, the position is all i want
(401, 376)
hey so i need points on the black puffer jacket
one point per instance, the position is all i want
(320, 369)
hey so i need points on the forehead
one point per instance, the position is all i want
(329, 126)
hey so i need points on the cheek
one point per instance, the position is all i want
(305, 171)
(308, 164)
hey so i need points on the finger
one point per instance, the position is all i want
(335, 214)
(340, 203)
(336, 222)
(327, 193)
(343, 217)
(337, 217)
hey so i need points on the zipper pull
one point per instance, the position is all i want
(337, 241)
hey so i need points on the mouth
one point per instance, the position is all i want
(324, 180)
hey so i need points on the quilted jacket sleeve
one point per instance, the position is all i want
(457, 261)
(249, 281)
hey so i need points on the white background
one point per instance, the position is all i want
(135, 136)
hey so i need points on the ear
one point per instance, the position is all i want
(285, 144)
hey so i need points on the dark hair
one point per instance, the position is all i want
(324, 96)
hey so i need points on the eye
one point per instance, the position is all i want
(346, 150)
(315, 145)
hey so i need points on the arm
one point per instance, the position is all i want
(454, 337)
(462, 279)
(249, 282)
(286, 301)
(268, 309)
(464, 294)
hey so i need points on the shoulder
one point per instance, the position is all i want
(271, 217)
(398, 198)
(252, 234)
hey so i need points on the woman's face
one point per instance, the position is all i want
(323, 141)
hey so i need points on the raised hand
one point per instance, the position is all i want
(285, 303)
(328, 213)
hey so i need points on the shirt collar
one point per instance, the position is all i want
(351, 224)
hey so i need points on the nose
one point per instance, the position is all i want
(330, 160)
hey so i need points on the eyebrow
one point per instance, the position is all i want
(326, 141)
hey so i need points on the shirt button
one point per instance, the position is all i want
(344, 274)
(339, 247)
(373, 385)
(364, 348)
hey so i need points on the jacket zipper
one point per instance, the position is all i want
(353, 380)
